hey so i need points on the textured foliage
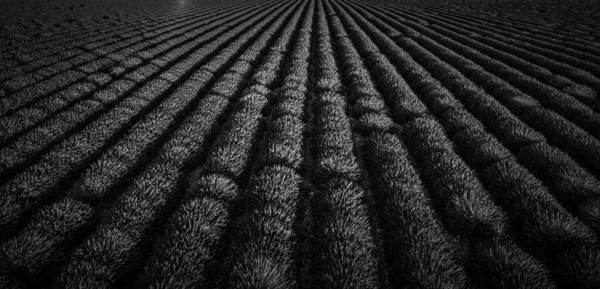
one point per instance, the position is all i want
(300, 144)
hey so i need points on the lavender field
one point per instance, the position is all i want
(300, 144)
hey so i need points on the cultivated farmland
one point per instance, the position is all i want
(300, 144)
